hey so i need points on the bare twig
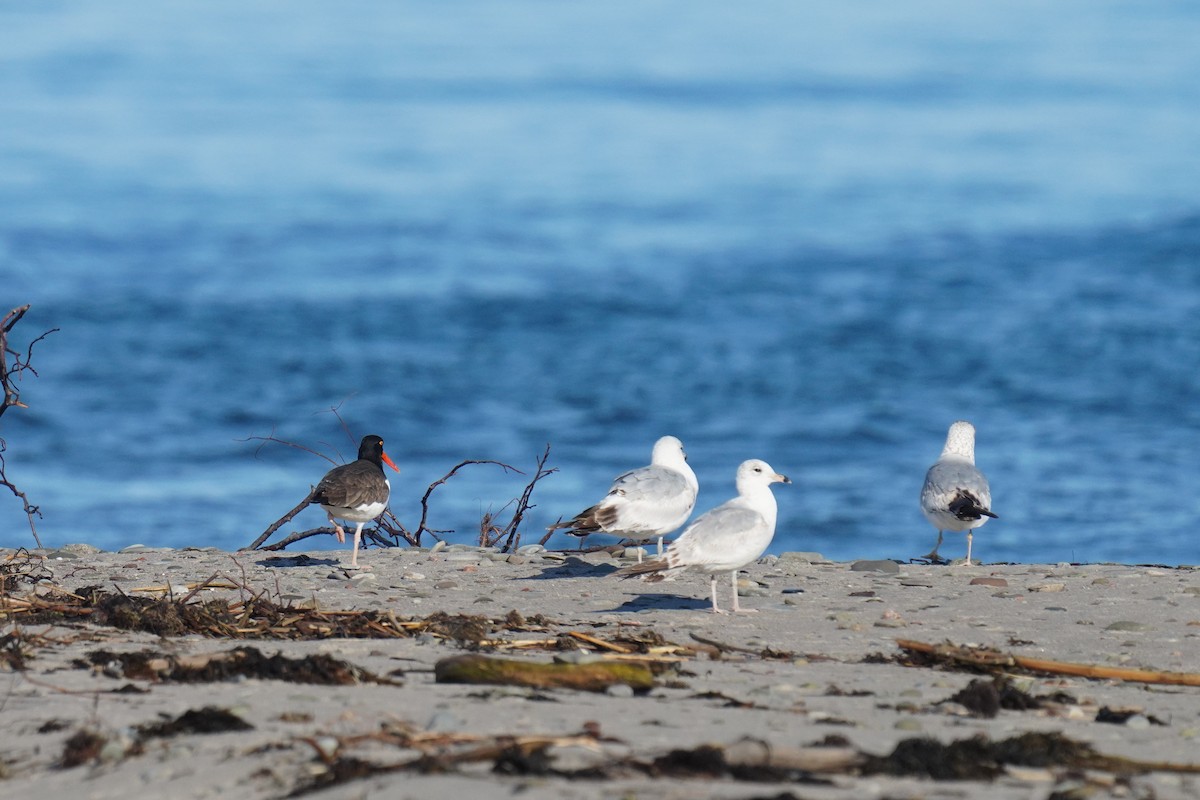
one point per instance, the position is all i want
(336, 410)
(489, 531)
(9, 375)
(271, 438)
(297, 536)
(390, 526)
(994, 659)
(512, 529)
(279, 523)
(421, 527)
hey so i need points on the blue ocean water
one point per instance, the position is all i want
(811, 234)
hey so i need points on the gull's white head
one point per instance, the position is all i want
(960, 441)
(668, 452)
(755, 474)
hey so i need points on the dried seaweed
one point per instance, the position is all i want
(979, 758)
(88, 746)
(985, 698)
(209, 719)
(257, 617)
(241, 662)
(82, 747)
(13, 651)
(748, 760)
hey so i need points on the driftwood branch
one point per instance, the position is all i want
(994, 659)
(511, 531)
(279, 523)
(425, 498)
(297, 536)
(9, 375)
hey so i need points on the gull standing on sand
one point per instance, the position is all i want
(729, 536)
(645, 503)
(357, 491)
(956, 496)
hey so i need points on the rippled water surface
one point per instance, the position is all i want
(813, 235)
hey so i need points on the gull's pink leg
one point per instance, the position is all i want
(737, 608)
(357, 538)
(713, 584)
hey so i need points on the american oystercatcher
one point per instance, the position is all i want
(728, 537)
(956, 496)
(645, 503)
(357, 492)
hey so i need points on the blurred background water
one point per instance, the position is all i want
(815, 234)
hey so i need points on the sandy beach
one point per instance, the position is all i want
(808, 698)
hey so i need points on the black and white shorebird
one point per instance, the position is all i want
(729, 536)
(956, 496)
(645, 503)
(357, 492)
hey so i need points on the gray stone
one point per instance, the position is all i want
(139, 548)
(801, 556)
(619, 690)
(1129, 625)
(749, 588)
(80, 548)
(878, 565)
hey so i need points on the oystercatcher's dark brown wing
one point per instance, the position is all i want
(353, 485)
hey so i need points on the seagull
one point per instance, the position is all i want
(356, 492)
(645, 503)
(956, 496)
(729, 536)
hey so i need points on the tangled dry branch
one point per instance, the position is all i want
(10, 374)
(390, 532)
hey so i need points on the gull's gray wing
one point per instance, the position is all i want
(957, 488)
(721, 538)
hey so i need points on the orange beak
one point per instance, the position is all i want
(387, 460)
